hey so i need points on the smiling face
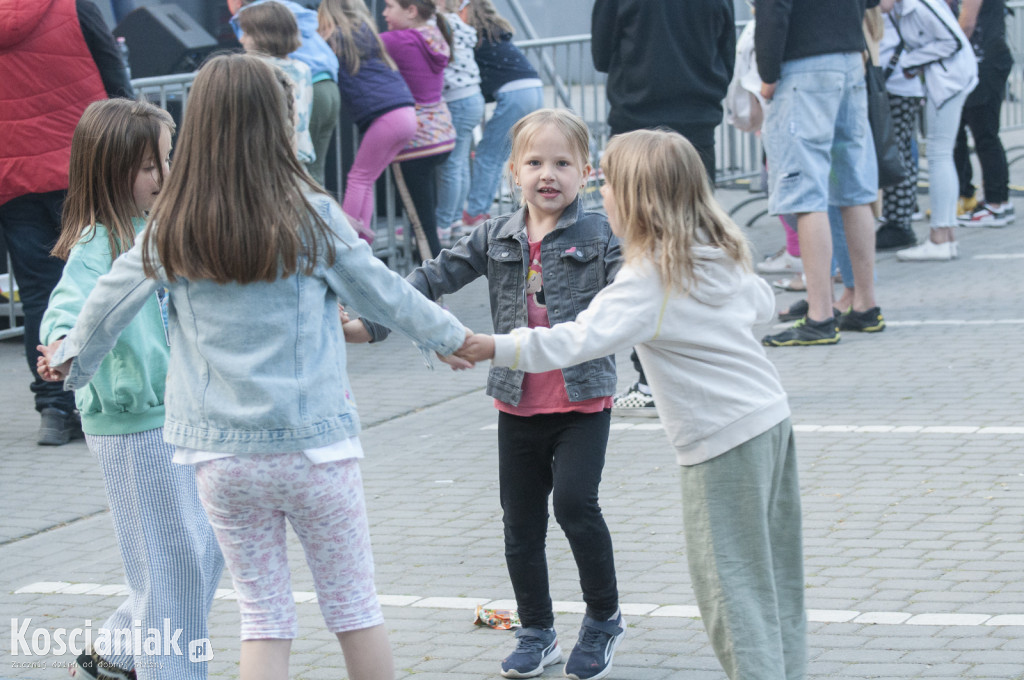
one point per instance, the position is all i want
(549, 172)
(398, 17)
(148, 180)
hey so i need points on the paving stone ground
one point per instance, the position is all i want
(911, 471)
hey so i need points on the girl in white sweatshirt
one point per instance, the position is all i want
(688, 300)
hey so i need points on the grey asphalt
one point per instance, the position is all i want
(912, 477)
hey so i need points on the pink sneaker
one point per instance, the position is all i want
(473, 220)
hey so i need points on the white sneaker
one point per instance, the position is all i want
(780, 263)
(929, 251)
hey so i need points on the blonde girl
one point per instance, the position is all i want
(257, 259)
(376, 97)
(688, 300)
(119, 159)
(269, 31)
(420, 42)
(544, 264)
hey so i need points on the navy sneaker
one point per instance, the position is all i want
(535, 649)
(591, 658)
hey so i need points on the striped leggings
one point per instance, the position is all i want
(171, 560)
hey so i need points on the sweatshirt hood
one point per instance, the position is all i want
(434, 48)
(19, 18)
(718, 277)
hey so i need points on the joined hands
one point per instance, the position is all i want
(43, 368)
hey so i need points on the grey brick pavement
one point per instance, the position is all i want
(917, 529)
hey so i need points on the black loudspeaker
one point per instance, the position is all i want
(163, 39)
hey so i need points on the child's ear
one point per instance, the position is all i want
(586, 174)
(512, 172)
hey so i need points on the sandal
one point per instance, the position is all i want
(793, 285)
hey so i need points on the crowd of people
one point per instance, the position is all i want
(200, 315)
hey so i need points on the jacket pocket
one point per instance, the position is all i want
(584, 271)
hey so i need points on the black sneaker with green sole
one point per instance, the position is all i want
(805, 332)
(868, 321)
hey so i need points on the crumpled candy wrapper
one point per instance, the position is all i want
(500, 619)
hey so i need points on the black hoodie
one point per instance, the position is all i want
(669, 62)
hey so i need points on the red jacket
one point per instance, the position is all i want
(49, 77)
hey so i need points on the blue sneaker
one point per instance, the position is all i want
(535, 649)
(591, 658)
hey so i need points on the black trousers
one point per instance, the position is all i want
(981, 115)
(31, 226)
(559, 454)
(420, 176)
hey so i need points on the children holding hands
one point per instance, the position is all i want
(687, 298)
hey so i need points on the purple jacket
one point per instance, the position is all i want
(421, 55)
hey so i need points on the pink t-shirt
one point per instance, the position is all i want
(545, 392)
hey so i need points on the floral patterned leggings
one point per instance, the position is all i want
(248, 498)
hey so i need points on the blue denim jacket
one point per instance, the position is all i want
(580, 257)
(260, 367)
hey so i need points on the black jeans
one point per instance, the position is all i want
(981, 115)
(31, 226)
(420, 175)
(563, 454)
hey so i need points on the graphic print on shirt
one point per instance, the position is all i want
(535, 282)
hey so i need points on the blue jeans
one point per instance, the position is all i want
(840, 253)
(943, 123)
(496, 145)
(31, 226)
(453, 176)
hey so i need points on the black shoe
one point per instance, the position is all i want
(59, 427)
(891, 236)
(805, 332)
(91, 666)
(868, 321)
(798, 310)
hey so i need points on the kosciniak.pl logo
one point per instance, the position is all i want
(165, 641)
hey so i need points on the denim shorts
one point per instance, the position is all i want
(817, 136)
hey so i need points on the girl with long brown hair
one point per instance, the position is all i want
(257, 258)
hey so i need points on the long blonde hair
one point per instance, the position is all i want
(664, 205)
(489, 25)
(340, 21)
(568, 124)
(111, 142)
(234, 209)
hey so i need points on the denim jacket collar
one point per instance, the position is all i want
(516, 224)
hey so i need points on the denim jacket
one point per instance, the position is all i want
(579, 258)
(259, 367)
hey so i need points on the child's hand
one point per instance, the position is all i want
(46, 372)
(355, 331)
(343, 315)
(455, 361)
(477, 348)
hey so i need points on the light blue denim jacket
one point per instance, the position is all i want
(579, 258)
(259, 367)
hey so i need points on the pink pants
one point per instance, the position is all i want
(248, 498)
(386, 136)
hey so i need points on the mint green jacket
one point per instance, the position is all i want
(126, 395)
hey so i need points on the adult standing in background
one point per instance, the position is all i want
(669, 64)
(83, 65)
(315, 53)
(810, 55)
(984, 23)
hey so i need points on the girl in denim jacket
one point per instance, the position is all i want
(257, 258)
(544, 264)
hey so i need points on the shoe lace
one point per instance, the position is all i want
(529, 642)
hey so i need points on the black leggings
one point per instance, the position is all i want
(563, 454)
(420, 176)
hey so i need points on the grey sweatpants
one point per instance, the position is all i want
(744, 546)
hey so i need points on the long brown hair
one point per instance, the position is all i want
(112, 141)
(664, 204)
(489, 25)
(234, 208)
(340, 20)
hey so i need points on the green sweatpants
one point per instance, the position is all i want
(322, 120)
(741, 512)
